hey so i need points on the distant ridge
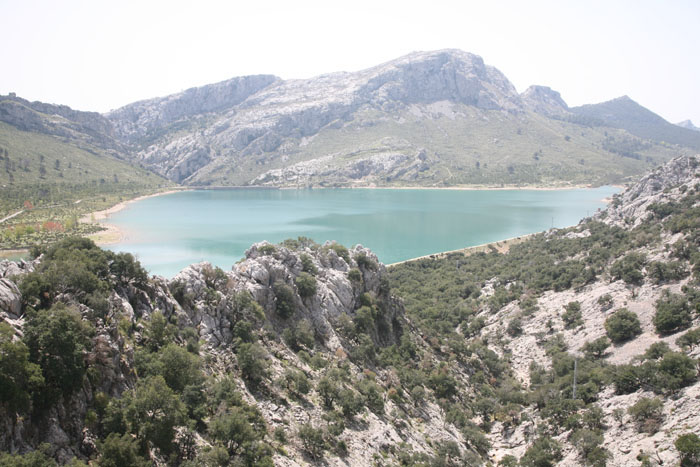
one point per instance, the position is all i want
(626, 114)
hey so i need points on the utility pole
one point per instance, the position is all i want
(575, 375)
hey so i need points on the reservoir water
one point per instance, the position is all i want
(169, 232)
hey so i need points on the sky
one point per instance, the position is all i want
(100, 55)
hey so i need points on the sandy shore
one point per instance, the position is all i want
(502, 246)
(113, 234)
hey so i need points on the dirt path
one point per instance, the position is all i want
(11, 216)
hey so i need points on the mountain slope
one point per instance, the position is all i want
(303, 354)
(626, 114)
(426, 119)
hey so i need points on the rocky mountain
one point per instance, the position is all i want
(428, 118)
(544, 100)
(688, 124)
(577, 346)
(626, 114)
(440, 118)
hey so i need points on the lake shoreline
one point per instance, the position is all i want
(112, 234)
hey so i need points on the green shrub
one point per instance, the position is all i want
(355, 275)
(515, 327)
(120, 451)
(252, 361)
(689, 340)
(544, 452)
(572, 316)
(312, 440)
(595, 350)
(365, 262)
(629, 268)
(56, 339)
(284, 297)
(341, 251)
(688, 446)
(662, 272)
(307, 264)
(622, 326)
(647, 414)
(19, 377)
(306, 284)
(672, 313)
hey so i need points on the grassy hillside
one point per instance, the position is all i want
(54, 181)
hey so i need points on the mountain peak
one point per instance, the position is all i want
(687, 124)
(544, 100)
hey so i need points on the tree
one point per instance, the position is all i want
(152, 411)
(572, 315)
(284, 296)
(120, 451)
(672, 313)
(252, 360)
(56, 339)
(690, 339)
(312, 440)
(595, 350)
(306, 284)
(179, 367)
(629, 268)
(18, 376)
(544, 452)
(688, 446)
(647, 413)
(232, 429)
(622, 326)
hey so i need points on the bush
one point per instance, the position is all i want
(672, 313)
(18, 376)
(544, 452)
(355, 275)
(622, 326)
(312, 440)
(284, 296)
(689, 340)
(629, 268)
(688, 446)
(341, 251)
(56, 340)
(307, 264)
(647, 414)
(306, 284)
(676, 371)
(151, 411)
(662, 272)
(515, 327)
(252, 361)
(120, 451)
(572, 315)
(595, 350)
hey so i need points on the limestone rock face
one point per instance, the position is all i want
(544, 100)
(264, 267)
(257, 115)
(660, 186)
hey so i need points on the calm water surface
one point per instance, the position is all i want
(169, 232)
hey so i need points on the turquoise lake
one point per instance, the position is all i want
(169, 232)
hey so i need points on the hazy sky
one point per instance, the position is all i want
(100, 55)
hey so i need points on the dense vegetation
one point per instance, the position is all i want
(185, 403)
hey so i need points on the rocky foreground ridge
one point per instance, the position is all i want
(302, 354)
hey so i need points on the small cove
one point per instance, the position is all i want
(171, 231)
